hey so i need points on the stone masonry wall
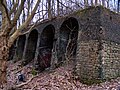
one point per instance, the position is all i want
(98, 51)
(111, 59)
(87, 66)
(95, 63)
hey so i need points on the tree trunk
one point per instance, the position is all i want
(7, 37)
(49, 9)
(108, 4)
(92, 3)
(58, 8)
(96, 2)
(118, 5)
(4, 49)
(86, 3)
(103, 3)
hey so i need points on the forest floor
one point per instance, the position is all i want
(59, 79)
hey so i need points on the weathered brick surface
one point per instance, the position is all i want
(111, 59)
(98, 51)
(87, 61)
(92, 63)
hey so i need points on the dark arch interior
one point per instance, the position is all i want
(20, 47)
(31, 46)
(12, 51)
(45, 47)
(68, 38)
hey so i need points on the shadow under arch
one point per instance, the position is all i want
(31, 46)
(45, 47)
(12, 51)
(20, 47)
(68, 39)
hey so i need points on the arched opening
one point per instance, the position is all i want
(12, 51)
(31, 46)
(68, 39)
(45, 47)
(20, 47)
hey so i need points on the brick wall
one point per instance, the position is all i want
(93, 63)
(87, 61)
(111, 59)
(98, 51)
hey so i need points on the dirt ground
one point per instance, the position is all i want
(58, 79)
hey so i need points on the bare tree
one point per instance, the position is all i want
(103, 2)
(108, 3)
(58, 8)
(85, 3)
(49, 9)
(96, 2)
(118, 5)
(91, 2)
(8, 24)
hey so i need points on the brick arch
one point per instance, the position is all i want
(68, 31)
(20, 47)
(31, 46)
(45, 47)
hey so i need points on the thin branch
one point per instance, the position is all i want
(17, 15)
(14, 7)
(5, 11)
(68, 52)
(65, 6)
(23, 26)
(31, 28)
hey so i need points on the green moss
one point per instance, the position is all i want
(89, 9)
(91, 81)
(83, 11)
(34, 72)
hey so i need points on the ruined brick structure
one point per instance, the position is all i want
(95, 34)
